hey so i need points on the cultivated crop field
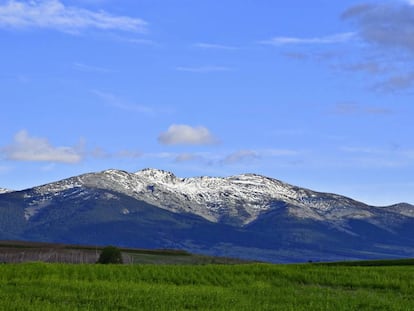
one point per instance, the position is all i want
(41, 286)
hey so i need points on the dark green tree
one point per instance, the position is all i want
(110, 254)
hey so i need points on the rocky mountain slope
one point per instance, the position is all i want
(248, 216)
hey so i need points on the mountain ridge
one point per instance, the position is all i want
(247, 216)
(211, 197)
(4, 190)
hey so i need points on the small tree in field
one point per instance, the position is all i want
(110, 254)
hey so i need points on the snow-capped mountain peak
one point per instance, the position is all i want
(156, 175)
(237, 200)
(243, 215)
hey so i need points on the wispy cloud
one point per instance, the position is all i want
(278, 152)
(210, 161)
(117, 102)
(368, 156)
(288, 132)
(88, 68)
(384, 33)
(332, 39)
(181, 134)
(160, 155)
(296, 55)
(100, 153)
(187, 157)
(240, 156)
(214, 46)
(350, 108)
(129, 38)
(139, 41)
(204, 69)
(53, 14)
(4, 169)
(28, 148)
(368, 67)
(388, 72)
(243, 156)
(366, 150)
(386, 24)
(128, 154)
(397, 82)
(387, 29)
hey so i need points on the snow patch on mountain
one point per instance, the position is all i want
(235, 200)
(403, 209)
(34, 207)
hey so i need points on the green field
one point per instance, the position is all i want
(40, 286)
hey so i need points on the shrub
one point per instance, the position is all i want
(110, 254)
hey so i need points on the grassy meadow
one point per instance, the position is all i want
(41, 286)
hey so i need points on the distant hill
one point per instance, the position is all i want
(245, 216)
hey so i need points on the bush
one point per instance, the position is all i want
(110, 254)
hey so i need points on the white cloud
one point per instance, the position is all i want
(336, 38)
(53, 14)
(181, 134)
(27, 148)
(204, 69)
(137, 41)
(214, 46)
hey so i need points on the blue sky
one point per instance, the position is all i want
(314, 93)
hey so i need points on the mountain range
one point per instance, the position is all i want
(246, 216)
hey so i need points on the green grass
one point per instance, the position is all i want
(176, 257)
(39, 286)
